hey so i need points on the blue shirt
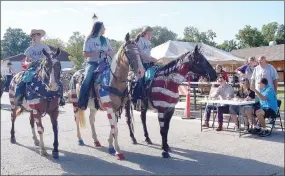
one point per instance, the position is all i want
(271, 100)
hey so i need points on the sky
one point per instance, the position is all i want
(61, 18)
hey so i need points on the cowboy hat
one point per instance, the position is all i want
(38, 31)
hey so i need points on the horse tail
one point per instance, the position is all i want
(81, 114)
(19, 111)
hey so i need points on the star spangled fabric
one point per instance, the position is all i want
(37, 89)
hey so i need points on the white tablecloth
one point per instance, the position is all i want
(228, 102)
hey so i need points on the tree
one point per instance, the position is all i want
(15, 41)
(57, 43)
(160, 35)
(250, 37)
(228, 46)
(192, 34)
(269, 31)
(75, 47)
(115, 44)
(280, 35)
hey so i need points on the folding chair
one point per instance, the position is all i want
(273, 119)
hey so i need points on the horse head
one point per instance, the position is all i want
(129, 54)
(51, 69)
(196, 63)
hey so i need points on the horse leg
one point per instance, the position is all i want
(92, 121)
(129, 119)
(114, 129)
(76, 116)
(53, 118)
(164, 120)
(13, 118)
(32, 123)
(40, 127)
(13, 113)
(143, 118)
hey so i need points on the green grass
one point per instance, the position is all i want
(280, 95)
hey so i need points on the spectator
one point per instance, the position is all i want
(268, 106)
(224, 91)
(220, 71)
(264, 70)
(205, 89)
(246, 94)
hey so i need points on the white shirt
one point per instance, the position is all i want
(36, 51)
(93, 44)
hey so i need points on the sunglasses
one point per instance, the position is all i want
(38, 34)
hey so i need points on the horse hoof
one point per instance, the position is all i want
(13, 140)
(44, 153)
(120, 156)
(37, 143)
(97, 144)
(55, 155)
(148, 141)
(112, 151)
(135, 141)
(165, 154)
(80, 142)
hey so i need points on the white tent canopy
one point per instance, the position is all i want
(172, 49)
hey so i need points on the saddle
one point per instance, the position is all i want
(141, 87)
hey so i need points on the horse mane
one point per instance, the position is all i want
(168, 67)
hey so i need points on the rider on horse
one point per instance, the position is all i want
(144, 45)
(33, 55)
(93, 47)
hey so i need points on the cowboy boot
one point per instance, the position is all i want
(206, 124)
(220, 127)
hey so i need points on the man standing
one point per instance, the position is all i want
(268, 106)
(264, 70)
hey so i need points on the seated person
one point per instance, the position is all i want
(204, 88)
(224, 91)
(268, 106)
(245, 93)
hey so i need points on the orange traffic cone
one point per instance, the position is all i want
(187, 110)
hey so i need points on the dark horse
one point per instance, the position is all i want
(41, 96)
(162, 93)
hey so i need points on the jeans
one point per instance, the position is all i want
(221, 110)
(84, 89)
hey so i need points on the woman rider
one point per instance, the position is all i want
(93, 46)
(33, 53)
(143, 42)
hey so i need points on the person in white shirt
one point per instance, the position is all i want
(93, 47)
(32, 53)
(264, 70)
(144, 45)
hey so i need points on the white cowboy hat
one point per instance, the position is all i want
(38, 31)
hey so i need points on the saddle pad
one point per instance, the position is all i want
(29, 74)
(149, 74)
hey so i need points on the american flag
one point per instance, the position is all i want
(35, 90)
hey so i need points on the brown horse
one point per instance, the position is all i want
(110, 91)
(41, 97)
(162, 93)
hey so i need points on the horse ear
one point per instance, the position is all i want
(58, 51)
(46, 54)
(196, 49)
(127, 38)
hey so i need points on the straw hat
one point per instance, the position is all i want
(38, 31)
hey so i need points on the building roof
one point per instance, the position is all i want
(272, 53)
(62, 57)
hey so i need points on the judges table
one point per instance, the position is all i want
(225, 102)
